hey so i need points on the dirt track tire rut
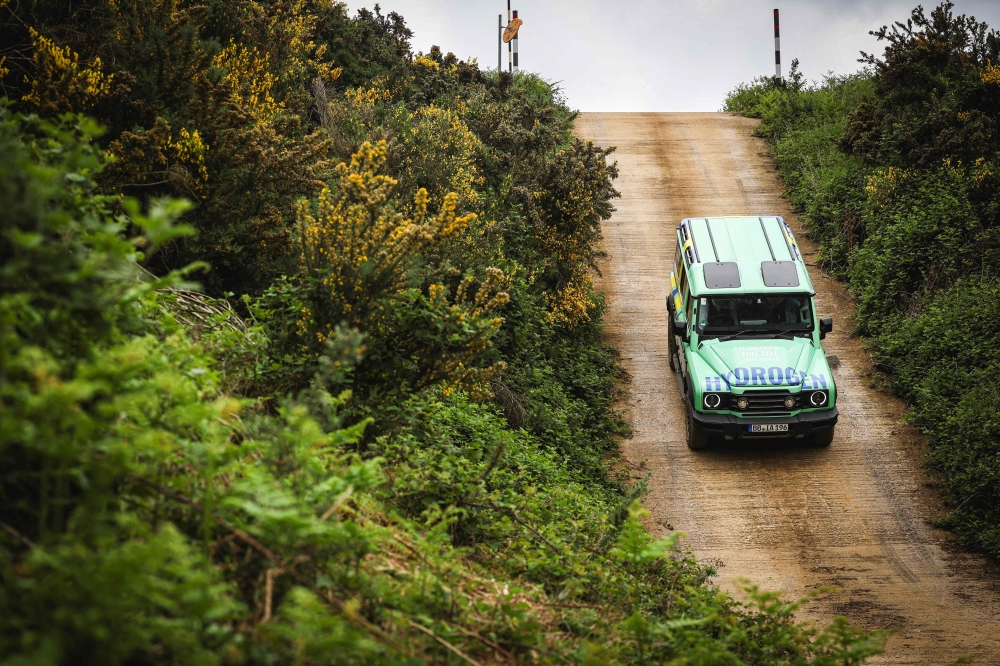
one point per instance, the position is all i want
(786, 517)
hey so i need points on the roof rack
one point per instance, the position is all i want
(763, 230)
(711, 238)
(688, 243)
(789, 240)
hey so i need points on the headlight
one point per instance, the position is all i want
(712, 400)
(818, 398)
(742, 402)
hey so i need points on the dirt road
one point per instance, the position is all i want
(784, 517)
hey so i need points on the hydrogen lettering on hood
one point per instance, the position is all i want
(761, 376)
(754, 364)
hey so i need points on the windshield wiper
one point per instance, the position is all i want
(791, 331)
(723, 338)
(762, 335)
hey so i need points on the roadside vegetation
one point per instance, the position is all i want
(897, 172)
(300, 360)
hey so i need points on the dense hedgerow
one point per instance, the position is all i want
(150, 516)
(896, 171)
(394, 444)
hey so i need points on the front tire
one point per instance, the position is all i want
(697, 439)
(822, 438)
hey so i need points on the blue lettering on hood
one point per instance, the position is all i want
(774, 376)
(716, 383)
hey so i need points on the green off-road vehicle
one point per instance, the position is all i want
(744, 335)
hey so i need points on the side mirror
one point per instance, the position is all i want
(681, 329)
(825, 326)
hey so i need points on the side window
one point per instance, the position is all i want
(690, 312)
(679, 280)
(682, 280)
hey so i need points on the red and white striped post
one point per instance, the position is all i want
(515, 46)
(510, 58)
(777, 51)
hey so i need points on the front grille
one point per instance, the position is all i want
(764, 402)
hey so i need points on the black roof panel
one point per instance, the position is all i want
(722, 275)
(779, 273)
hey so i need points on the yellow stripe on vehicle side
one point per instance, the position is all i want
(791, 240)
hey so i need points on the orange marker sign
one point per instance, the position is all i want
(511, 30)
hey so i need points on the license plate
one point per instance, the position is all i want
(768, 427)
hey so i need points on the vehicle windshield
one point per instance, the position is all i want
(724, 315)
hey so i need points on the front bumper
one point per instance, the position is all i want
(735, 427)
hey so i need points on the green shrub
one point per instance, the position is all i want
(935, 96)
(745, 99)
(921, 235)
(943, 361)
(394, 448)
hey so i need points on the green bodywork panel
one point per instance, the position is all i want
(739, 366)
(742, 240)
(745, 364)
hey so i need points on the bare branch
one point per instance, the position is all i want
(445, 643)
(17, 535)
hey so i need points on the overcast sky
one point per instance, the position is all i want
(669, 55)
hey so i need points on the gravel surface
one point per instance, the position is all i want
(777, 515)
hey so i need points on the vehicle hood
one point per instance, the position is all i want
(747, 364)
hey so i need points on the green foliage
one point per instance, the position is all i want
(634, 543)
(369, 47)
(921, 240)
(746, 98)
(895, 169)
(53, 284)
(85, 396)
(943, 362)
(398, 450)
(755, 98)
(210, 103)
(934, 97)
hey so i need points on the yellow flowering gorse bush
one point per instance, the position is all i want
(61, 84)
(441, 152)
(359, 243)
(361, 256)
(248, 72)
(571, 305)
(881, 185)
(456, 369)
(990, 74)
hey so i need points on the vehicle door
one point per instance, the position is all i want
(689, 314)
(675, 308)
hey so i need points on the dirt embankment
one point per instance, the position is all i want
(783, 517)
